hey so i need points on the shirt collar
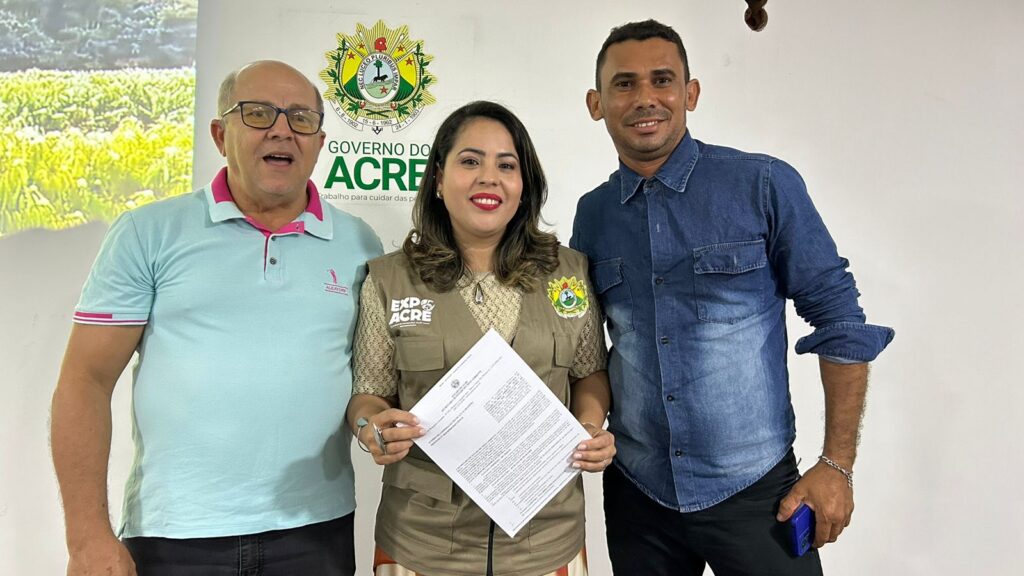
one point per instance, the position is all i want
(673, 173)
(314, 219)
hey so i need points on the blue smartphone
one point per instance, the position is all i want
(801, 530)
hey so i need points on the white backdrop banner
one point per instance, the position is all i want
(387, 83)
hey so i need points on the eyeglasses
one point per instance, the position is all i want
(262, 116)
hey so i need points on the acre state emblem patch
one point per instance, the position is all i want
(378, 77)
(568, 297)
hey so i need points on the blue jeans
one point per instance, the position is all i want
(323, 549)
(739, 536)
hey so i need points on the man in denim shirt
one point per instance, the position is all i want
(694, 250)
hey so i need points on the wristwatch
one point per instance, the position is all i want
(361, 423)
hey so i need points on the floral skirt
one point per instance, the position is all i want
(383, 565)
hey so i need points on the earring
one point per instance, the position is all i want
(438, 194)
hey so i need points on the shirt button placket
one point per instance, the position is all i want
(672, 398)
(273, 266)
(662, 253)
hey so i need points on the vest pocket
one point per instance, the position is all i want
(416, 506)
(419, 353)
(419, 476)
(730, 280)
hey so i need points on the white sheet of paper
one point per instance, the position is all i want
(499, 433)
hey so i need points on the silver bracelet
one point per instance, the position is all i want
(848, 473)
(360, 424)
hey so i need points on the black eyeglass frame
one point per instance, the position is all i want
(277, 112)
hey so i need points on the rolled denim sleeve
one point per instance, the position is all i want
(810, 271)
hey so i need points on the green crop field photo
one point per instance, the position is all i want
(79, 146)
(112, 131)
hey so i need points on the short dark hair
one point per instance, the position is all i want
(525, 252)
(641, 31)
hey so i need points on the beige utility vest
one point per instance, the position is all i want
(424, 521)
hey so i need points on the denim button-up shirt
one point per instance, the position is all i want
(693, 268)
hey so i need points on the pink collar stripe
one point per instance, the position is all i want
(221, 193)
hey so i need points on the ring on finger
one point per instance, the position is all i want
(378, 437)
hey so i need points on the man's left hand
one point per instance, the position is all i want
(825, 491)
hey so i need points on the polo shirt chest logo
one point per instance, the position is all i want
(411, 311)
(333, 285)
(568, 297)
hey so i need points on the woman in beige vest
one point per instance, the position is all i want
(475, 259)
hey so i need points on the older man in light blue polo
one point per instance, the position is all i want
(240, 300)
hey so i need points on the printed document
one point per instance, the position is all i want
(499, 433)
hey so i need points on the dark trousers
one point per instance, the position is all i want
(322, 549)
(739, 536)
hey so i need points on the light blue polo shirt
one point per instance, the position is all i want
(244, 372)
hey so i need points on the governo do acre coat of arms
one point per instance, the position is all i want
(378, 78)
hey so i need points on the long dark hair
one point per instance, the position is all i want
(525, 252)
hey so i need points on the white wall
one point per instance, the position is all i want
(904, 119)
